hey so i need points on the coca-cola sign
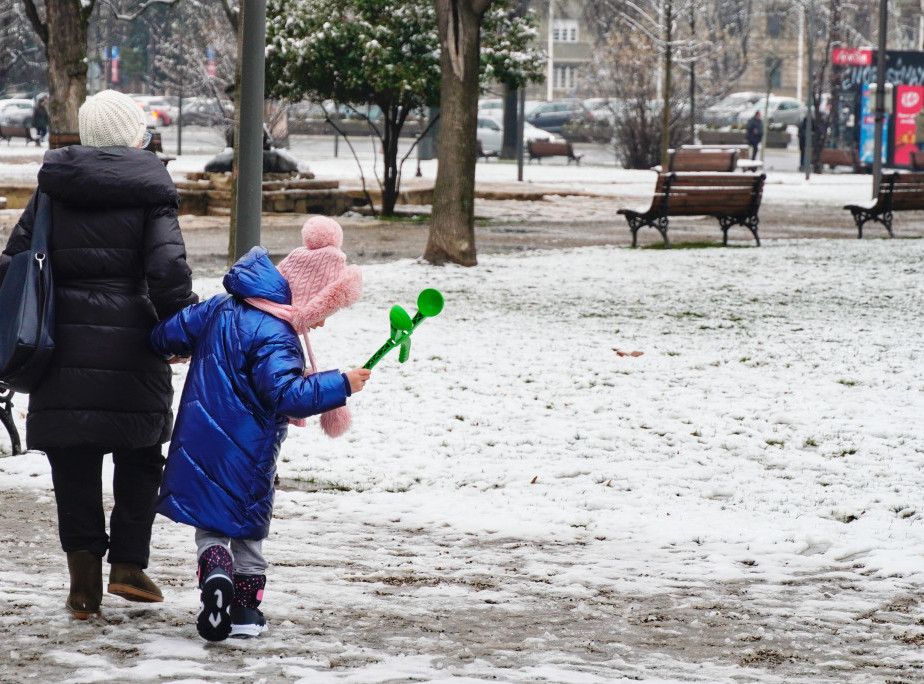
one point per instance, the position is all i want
(852, 56)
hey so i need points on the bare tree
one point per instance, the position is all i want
(22, 59)
(62, 26)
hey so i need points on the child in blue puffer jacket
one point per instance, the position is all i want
(246, 382)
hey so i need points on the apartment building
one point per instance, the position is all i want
(777, 53)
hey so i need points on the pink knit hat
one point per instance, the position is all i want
(321, 284)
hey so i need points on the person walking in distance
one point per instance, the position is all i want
(754, 133)
(119, 264)
(247, 381)
(40, 120)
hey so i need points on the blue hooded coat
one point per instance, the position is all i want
(244, 383)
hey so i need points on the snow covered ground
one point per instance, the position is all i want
(519, 502)
(20, 163)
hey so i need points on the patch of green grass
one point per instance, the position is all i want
(775, 442)
(810, 442)
(847, 383)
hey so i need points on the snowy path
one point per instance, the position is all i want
(519, 503)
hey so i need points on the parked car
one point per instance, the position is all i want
(725, 112)
(553, 115)
(16, 112)
(491, 133)
(207, 111)
(785, 111)
(165, 107)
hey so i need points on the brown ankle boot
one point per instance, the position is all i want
(129, 581)
(86, 571)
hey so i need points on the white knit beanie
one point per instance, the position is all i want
(110, 118)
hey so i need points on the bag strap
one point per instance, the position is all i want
(41, 228)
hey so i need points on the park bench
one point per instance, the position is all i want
(832, 157)
(743, 161)
(538, 149)
(9, 132)
(731, 198)
(897, 192)
(482, 154)
(715, 160)
(58, 139)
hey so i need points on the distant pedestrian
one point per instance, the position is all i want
(40, 120)
(803, 126)
(919, 129)
(754, 133)
(246, 383)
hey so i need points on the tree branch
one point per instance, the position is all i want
(231, 13)
(41, 28)
(141, 10)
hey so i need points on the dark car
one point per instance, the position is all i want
(553, 115)
(207, 112)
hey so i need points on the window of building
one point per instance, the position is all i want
(776, 22)
(564, 77)
(565, 31)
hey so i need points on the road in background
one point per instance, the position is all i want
(204, 140)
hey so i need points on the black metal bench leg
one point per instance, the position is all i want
(861, 217)
(6, 417)
(749, 222)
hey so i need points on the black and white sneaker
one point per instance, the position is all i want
(246, 623)
(217, 597)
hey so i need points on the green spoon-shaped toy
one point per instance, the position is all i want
(429, 304)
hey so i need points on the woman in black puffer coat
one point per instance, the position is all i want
(119, 266)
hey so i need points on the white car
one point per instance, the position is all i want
(779, 110)
(491, 133)
(726, 110)
(16, 112)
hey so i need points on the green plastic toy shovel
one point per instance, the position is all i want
(429, 304)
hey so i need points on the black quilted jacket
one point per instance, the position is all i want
(119, 265)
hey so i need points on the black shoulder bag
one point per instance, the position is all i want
(27, 311)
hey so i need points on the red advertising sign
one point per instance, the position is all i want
(852, 56)
(908, 102)
(115, 70)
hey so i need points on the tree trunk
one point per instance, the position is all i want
(391, 128)
(65, 36)
(452, 224)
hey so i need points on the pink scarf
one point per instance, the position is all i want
(334, 422)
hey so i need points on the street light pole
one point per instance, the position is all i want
(880, 96)
(550, 75)
(809, 82)
(249, 138)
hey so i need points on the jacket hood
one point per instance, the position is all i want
(112, 177)
(254, 275)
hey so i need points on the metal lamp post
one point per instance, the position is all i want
(880, 95)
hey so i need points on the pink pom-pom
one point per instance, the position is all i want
(321, 231)
(336, 421)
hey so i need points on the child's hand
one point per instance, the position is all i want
(178, 359)
(358, 378)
